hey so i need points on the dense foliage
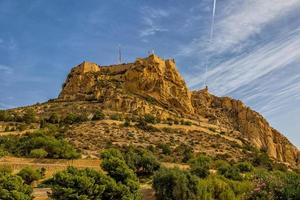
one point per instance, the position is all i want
(38, 145)
(232, 182)
(174, 184)
(12, 187)
(142, 161)
(29, 174)
(200, 166)
(88, 184)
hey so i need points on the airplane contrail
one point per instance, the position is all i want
(210, 37)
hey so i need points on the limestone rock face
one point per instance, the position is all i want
(153, 85)
(235, 115)
(126, 87)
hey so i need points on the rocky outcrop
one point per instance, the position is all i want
(153, 85)
(235, 115)
(153, 79)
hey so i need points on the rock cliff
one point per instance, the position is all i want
(147, 85)
(235, 115)
(153, 85)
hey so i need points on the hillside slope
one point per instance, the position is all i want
(154, 86)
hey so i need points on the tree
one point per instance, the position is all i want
(88, 184)
(175, 184)
(143, 162)
(29, 175)
(12, 187)
(200, 166)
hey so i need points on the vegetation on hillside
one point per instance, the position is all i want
(40, 144)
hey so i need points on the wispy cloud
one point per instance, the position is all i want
(151, 19)
(238, 22)
(266, 76)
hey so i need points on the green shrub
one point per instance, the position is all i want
(111, 152)
(261, 159)
(245, 167)
(116, 117)
(150, 119)
(25, 144)
(12, 187)
(38, 153)
(215, 187)
(175, 184)
(141, 161)
(72, 118)
(166, 149)
(184, 152)
(200, 166)
(29, 175)
(187, 123)
(275, 185)
(53, 119)
(4, 116)
(126, 123)
(144, 126)
(88, 184)
(230, 172)
(29, 116)
(98, 115)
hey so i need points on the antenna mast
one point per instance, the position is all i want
(119, 54)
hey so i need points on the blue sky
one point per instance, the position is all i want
(254, 56)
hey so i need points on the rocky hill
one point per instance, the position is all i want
(153, 86)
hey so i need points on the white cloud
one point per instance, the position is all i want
(245, 68)
(239, 21)
(151, 19)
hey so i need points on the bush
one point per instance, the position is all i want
(72, 118)
(116, 117)
(144, 126)
(150, 119)
(29, 175)
(38, 153)
(54, 118)
(200, 166)
(275, 185)
(174, 184)
(141, 161)
(126, 123)
(88, 184)
(98, 115)
(110, 153)
(12, 187)
(29, 116)
(166, 149)
(187, 123)
(26, 145)
(261, 159)
(245, 167)
(184, 152)
(215, 187)
(230, 172)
